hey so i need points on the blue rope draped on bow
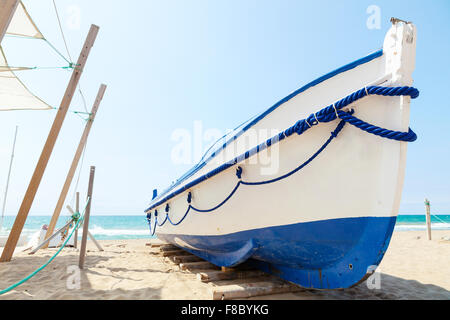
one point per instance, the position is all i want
(327, 114)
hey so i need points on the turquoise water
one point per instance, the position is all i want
(418, 222)
(101, 227)
(136, 227)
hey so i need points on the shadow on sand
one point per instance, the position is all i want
(48, 282)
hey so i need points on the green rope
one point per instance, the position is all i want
(71, 65)
(427, 203)
(49, 260)
(76, 216)
(78, 113)
(82, 112)
(48, 42)
(82, 118)
(56, 50)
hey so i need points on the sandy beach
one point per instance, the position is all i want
(413, 268)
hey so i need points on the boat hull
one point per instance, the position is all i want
(326, 254)
(326, 225)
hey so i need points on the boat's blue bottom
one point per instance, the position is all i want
(324, 254)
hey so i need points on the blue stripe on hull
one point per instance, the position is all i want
(325, 254)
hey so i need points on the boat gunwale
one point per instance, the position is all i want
(161, 199)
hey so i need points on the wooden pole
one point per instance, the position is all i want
(7, 10)
(7, 179)
(247, 290)
(77, 208)
(48, 148)
(428, 218)
(99, 247)
(86, 219)
(75, 161)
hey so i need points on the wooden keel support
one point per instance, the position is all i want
(226, 269)
(174, 253)
(183, 259)
(247, 290)
(157, 243)
(209, 276)
(198, 265)
(251, 282)
(168, 247)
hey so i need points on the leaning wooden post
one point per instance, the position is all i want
(48, 148)
(86, 219)
(77, 208)
(7, 10)
(428, 215)
(75, 161)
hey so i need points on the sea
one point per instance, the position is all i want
(102, 227)
(114, 227)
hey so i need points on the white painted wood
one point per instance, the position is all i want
(358, 174)
(54, 235)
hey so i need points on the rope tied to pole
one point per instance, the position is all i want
(75, 216)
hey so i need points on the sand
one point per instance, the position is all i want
(413, 268)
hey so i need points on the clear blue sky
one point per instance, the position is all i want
(169, 63)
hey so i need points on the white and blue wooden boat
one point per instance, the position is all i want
(324, 219)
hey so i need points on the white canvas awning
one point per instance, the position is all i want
(22, 25)
(9, 68)
(14, 95)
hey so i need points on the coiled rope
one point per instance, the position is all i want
(327, 114)
(75, 218)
